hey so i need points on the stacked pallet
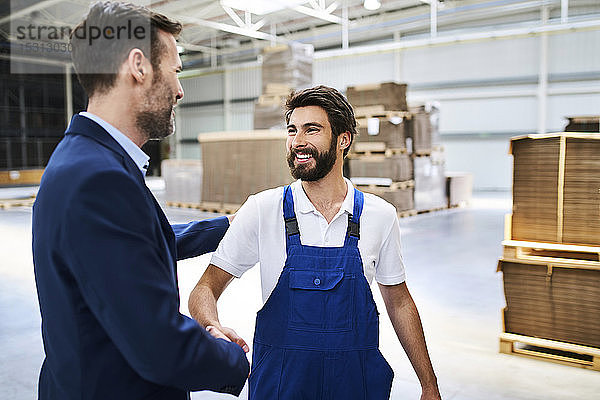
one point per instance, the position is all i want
(284, 68)
(551, 264)
(379, 162)
(583, 123)
(386, 130)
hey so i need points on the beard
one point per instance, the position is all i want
(156, 118)
(324, 162)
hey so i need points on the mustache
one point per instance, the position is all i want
(304, 150)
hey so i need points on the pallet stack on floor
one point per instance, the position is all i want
(284, 68)
(551, 257)
(396, 154)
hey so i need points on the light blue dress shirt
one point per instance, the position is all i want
(137, 155)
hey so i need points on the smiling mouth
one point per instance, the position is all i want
(302, 158)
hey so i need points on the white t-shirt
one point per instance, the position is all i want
(257, 235)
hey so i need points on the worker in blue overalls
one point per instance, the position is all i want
(320, 243)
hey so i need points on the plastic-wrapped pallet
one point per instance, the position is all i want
(459, 188)
(430, 183)
(183, 181)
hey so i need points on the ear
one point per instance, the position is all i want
(137, 65)
(344, 140)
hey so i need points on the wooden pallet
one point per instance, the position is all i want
(393, 186)
(379, 111)
(434, 149)
(551, 254)
(550, 350)
(432, 210)
(205, 206)
(378, 149)
(460, 204)
(9, 203)
(406, 213)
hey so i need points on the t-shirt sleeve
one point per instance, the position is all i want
(238, 251)
(390, 267)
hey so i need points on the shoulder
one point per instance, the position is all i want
(267, 198)
(376, 207)
(378, 214)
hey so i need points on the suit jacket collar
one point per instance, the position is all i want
(81, 125)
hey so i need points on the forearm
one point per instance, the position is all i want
(202, 304)
(409, 330)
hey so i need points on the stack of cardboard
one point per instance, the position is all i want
(555, 188)
(284, 68)
(586, 123)
(557, 303)
(183, 181)
(238, 164)
(551, 264)
(387, 129)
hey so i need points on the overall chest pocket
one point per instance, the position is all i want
(321, 300)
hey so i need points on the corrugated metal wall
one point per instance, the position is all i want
(487, 93)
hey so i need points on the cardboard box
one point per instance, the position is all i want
(391, 95)
(397, 167)
(555, 188)
(552, 302)
(240, 163)
(183, 181)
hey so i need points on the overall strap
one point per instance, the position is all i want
(292, 232)
(353, 232)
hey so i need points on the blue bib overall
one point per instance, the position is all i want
(317, 336)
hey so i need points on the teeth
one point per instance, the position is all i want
(303, 156)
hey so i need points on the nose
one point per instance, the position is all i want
(179, 94)
(299, 140)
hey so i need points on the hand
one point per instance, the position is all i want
(231, 218)
(430, 393)
(227, 334)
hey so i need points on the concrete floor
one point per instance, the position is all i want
(451, 261)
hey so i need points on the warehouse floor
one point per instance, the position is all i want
(450, 258)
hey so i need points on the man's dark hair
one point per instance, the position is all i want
(339, 112)
(97, 65)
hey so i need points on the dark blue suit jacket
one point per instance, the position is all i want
(105, 267)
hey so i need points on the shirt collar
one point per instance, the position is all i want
(303, 205)
(137, 155)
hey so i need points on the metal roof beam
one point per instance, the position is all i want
(28, 10)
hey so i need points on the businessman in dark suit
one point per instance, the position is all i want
(104, 253)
